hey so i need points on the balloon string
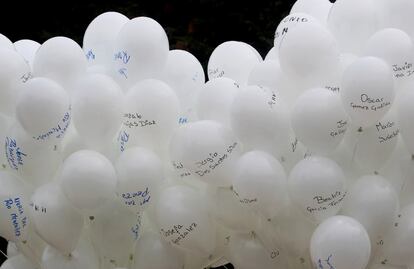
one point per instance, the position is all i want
(1, 251)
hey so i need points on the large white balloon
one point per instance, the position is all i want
(207, 150)
(317, 8)
(260, 182)
(56, 221)
(43, 109)
(367, 90)
(88, 179)
(288, 23)
(152, 252)
(27, 49)
(14, 72)
(97, 108)
(340, 242)
(60, 59)
(184, 220)
(141, 50)
(215, 99)
(232, 59)
(317, 185)
(319, 120)
(259, 119)
(373, 202)
(140, 173)
(14, 222)
(99, 38)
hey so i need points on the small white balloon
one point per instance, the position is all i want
(27, 49)
(287, 24)
(340, 242)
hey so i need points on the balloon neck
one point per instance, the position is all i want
(376, 173)
(360, 130)
(91, 218)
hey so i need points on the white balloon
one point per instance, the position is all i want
(141, 50)
(319, 120)
(340, 242)
(97, 108)
(396, 48)
(309, 53)
(259, 119)
(267, 74)
(260, 182)
(99, 38)
(6, 43)
(319, 9)
(43, 109)
(152, 252)
(56, 221)
(185, 75)
(18, 262)
(14, 222)
(272, 54)
(215, 98)
(184, 220)
(288, 23)
(12, 249)
(114, 231)
(82, 257)
(317, 185)
(14, 72)
(206, 150)
(88, 179)
(373, 202)
(360, 19)
(396, 14)
(405, 113)
(140, 173)
(246, 251)
(367, 90)
(232, 59)
(27, 49)
(60, 59)
(399, 243)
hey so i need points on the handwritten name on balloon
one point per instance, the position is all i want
(324, 202)
(15, 156)
(59, 130)
(178, 232)
(17, 217)
(213, 161)
(136, 198)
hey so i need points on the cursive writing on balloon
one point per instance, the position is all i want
(15, 156)
(404, 70)
(213, 160)
(324, 202)
(178, 232)
(59, 130)
(17, 217)
(136, 198)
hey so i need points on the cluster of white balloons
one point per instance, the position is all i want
(119, 154)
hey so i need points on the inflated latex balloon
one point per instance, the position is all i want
(229, 212)
(308, 53)
(97, 108)
(373, 202)
(206, 150)
(150, 113)
(36, 162)
(18, 262)
(367, 90)
(184, 220)
(215, 99)
(14, 73)
(397, 14)
(152, 252)
(340, 242)
(185, 75)
(319, 9)
(319, 120)
(43, 109)
(141, 50)
(84, 171)
(82, 257)
(259, 119)
(288, 23)
(140, 173)
(99, 38)
(14, 222)
(56, 221)
(27, 49)
(232, 59)
(60, 59)
(114, 230)
(405, 116)
(260, 182)
(268, 74)
(247, 251)
(375, 144)
(317, 185)
(396, 48)
(360, 19)
(6, 43)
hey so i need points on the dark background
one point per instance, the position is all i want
(195, 26)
